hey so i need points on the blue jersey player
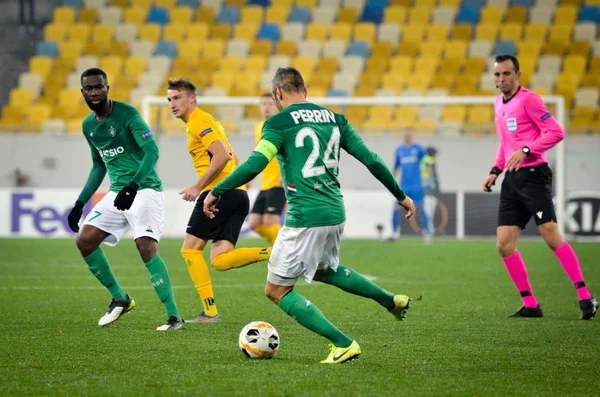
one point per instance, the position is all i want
(408, 167)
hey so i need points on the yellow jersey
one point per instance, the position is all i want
(271, 176)
(201, 131)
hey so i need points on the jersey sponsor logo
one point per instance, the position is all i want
(146, 134)
(292, 189)
(546, 116)
(206, 131)
(111, 152)
(511, 124)
(112, 132)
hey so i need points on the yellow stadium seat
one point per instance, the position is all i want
(535, 32)
(88, 15)
(70, 98)
(321, 81)
(516, 15)
(528, 63)
(487, 32)
(431, 48)
(395, 14)
(370, 79)
(475, 66)
(21, 97)
(38, 114)
(566, 15)
(426, 65)
(413, 34)
(207, 65)
(190, 49)
(454, 114)
(255, 64)
(63, 15)
(376, 65)
(328, 65)
(407, 49)
(581, 48)
(479, 115)
(491, 15)
(594, 65)
(72, 50)
(174, 32)
(574, 64)
(403, 3)
(437, 31)
(220, 31)
(79, 32)
(135, 15)
(450, 66)
(222, 79)
(277, 14)
(119, 3)
(356, 115)
(180, 15)
(102, 33)
(444, 81)
(183, 66)
(425, 3)
(576, 3)
(310, 4)
(467, 83)
(450, 3)
(379, 118)
(205, 15)
(261, 47)
(317, 31)
(231, 65)
(304, 64)
(560, 34)
(364, 32)
(197, 31)
(40, 65)
(165, 3)
(401, 65)
(246, 31)
(65, 64)
(347, 15)
(112, 65)
(555, 48)
(286, 47)
(382, 49)
(135, 66)
(150, 32)
(532, 48)
(235, 3)
(406, 116)
(341, 31)
(419, 81)
(456, 49)
(462, 32)
(511, 31)
(419, 15)
(252, 14)
(213, 49)
(54, 32)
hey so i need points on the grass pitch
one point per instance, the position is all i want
(456, 341)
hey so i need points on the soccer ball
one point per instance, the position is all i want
(259, 340)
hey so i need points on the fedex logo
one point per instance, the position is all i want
(27, 214)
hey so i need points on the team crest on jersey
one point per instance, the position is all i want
(511, 124)
(112, 132)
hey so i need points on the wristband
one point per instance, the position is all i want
(495, 170)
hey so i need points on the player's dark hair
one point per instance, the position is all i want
(506, 57)
(431, 151)
(289, 80)
(94, 72)
(181, 84)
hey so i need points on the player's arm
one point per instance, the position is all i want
(496, 169)
(145, 139)
(220, 155)
(552, 133)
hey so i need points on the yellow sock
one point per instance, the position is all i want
(262, 231)
(240, 257)
(271, 232)
(201, 277)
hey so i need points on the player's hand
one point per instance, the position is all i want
(489, 182)
(190, 194)
(409, 205)
(75, 215)
(210, 205)
(515, 161)
(126, 196)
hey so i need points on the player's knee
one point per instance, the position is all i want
(86, 244)
(147, 248)
(272, 294)
(505, 248)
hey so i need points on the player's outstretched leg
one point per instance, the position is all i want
(239, 258)
(307, 314)
(198, 269)
(568, 260)
(355, 283)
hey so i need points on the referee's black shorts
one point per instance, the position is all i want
(270, 202)
(526, 193)
(226, 225)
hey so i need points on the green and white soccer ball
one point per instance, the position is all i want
(259, 340)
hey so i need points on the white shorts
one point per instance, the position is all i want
(300, 252)
(146, 216)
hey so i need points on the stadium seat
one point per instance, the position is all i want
(358, 48)
(516, 15)
(166, 48)
(110, 15)
(229, 15)
(205, 15)
(277, 14)
(468, 15)
(566, 15)
(238, 48)
(269, 32)
(389, 33)
(444, 15)
(300, 15)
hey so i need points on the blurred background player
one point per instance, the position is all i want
(527, 130)
(407, 168)
(122, 144)
(265, 217)
(214, 160)
(308, 138)
(431, 185)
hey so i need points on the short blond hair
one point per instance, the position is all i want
(181, 84)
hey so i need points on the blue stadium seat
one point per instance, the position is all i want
(77, 4)
(47, 48)
(334, 92)
(300, 14)
(262, 3)
(468, 15)
(359, 48)
(506, 47)
(229, 15)
(589, 14)
(158, 15)
(268, 31)
(522, 3)
(188, 3)
(168, 48)
(373, 11)
(473, 3)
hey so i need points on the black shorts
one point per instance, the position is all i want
(227, 223)
(270, 202)
(526, 193)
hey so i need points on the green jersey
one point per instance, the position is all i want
(117, 141)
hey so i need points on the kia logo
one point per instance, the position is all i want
(583, 213)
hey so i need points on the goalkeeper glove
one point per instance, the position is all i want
(75, 215)
(125, 197)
